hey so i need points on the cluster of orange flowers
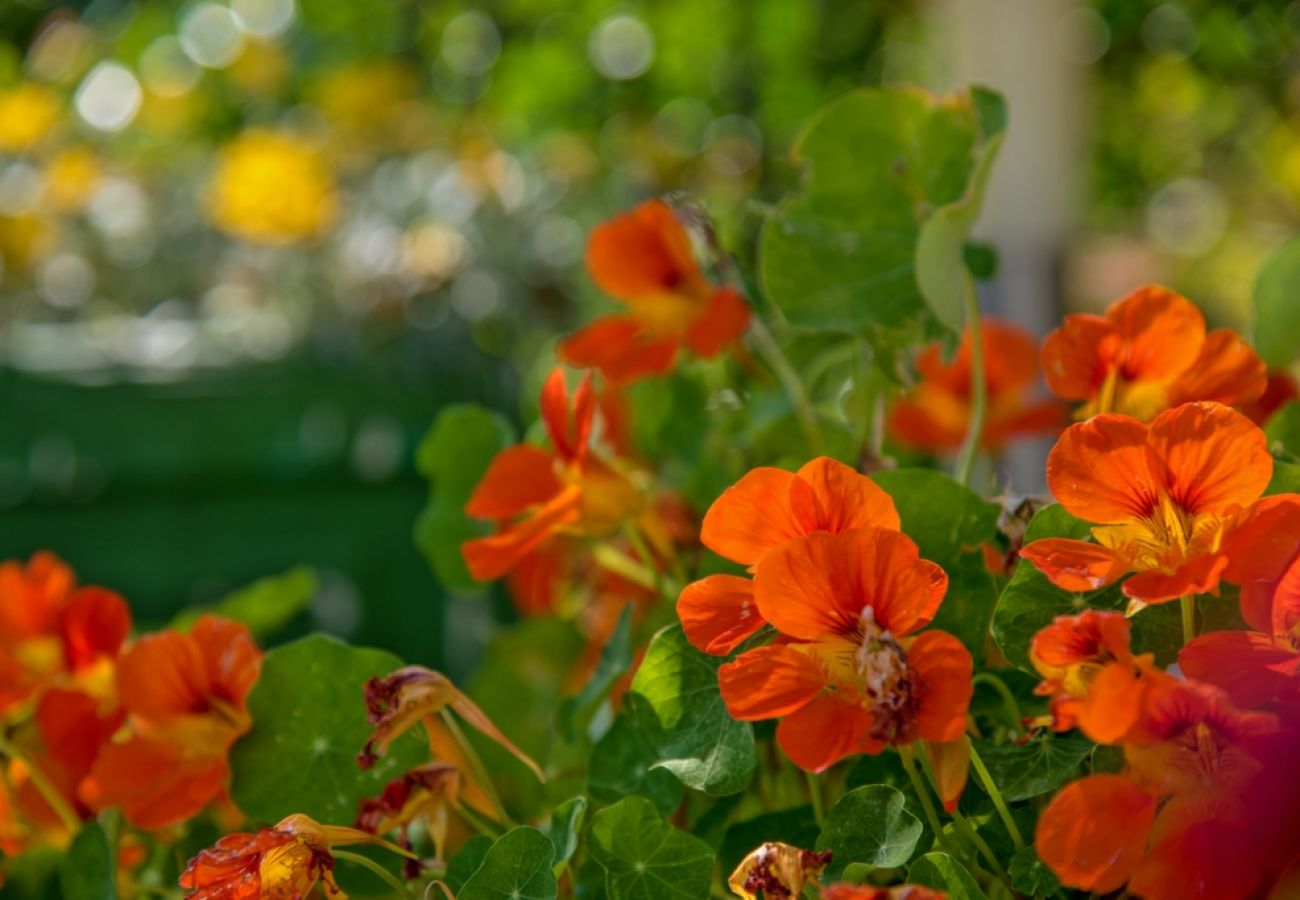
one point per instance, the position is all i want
(91, 720)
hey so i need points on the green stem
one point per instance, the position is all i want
(646, 557)
(815, 795)
(979, 387)
(1187, 604)
(1008, 698)
(996, 795)
(923, 794)
(475, 763)
(376, 868)
(481, 823)
(49, 793)
(981, 846)
(770, 350)
(611, 558)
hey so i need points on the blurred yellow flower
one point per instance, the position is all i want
(271, 188)
(374, 105)
(28, 112)
(70, 178)
(25, 239)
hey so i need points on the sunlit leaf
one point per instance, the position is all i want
(942, 872)
(644, 857)
(516, 867)
(869, 825)
(467, 860)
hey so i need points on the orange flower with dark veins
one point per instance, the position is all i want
(1091, 675)
(1148, 353)
(184, 694)
(848, 673)
(758, 514)
(1195, 815)
(51, 630)
(286, 861)
(1165, 499)
(644, 259)
(935, 415)
(536, 494)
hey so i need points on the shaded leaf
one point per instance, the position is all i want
(453, 456)
(1030, 875)
(1277, 314)
(566, 827)
(615, 660)
(1283, 431)
(685, 717)
(466, 862)
(265, 606)
(869, 825)
(1285, 480)
(1036, 768)
(645, 858)
(516, 867)
(88, 870)
(941, 872)
(309, 723)
(622, 764)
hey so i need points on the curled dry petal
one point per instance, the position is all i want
(776, 871)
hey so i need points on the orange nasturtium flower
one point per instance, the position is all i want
(1164, 498)
(1091, 675)
(1148, 353)
(848, 673)
(537, 494)
(775, 871)
(644, 259)
(1191, 817)
(935, 415)
(762, 512)
(51, 628)
(286, 861)
(871, 892)
(184, 694)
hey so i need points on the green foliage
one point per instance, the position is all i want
(615, 660)
(1022, 771)
(453, 456)
(942, 872)
(1030, 602)
(623, 763)
(1277, 312)
(566, 827)
(265, 606)
(1030, 876)
(869, 825)
(309, 724)
(797, 827)
(88, 870)
(516, 867)
(467, 860)
(644, 857)
(1283, 431)
(1285, 480)
(686, 719)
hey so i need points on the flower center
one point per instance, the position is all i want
(885, 679)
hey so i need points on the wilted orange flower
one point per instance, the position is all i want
(1164, 497)
(1150, 352)
(1091, 675)
(1187, 819)
(185, 695)
(644, 259)
(286, 861)
(50, 627)
(848, 674)
(759, 514)
(776, 871)
(427, 794)
(935, 415)
(537, 494)
(871, 892)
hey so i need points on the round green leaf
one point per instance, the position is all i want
(683, 713)
(645, 858)
(622, 763)
(1036, 768)
(516, 867)
(1030, 875)
(309, 723)
(869, 825)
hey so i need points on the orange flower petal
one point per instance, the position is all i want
(569, 427)
(1214, 458)
(1263, 544)
(163, 676)
(644, 252)
(231, 657)
(94, 623)
(845, 498)
(769, 682)
(620, 349)
(821, 585)
(1070, 640)
(1207, 859)
(155, 783)
(1075, 356)
(1099, 470)
(944, 668)
(718, 613)
(1228, 371)
(825, 731)
(518, 478)
(1162, 333)
(1094, 832)
(1199, 575)
(1250, 666)
(488, 558)
(1113, 704)
(722, 323)
(1075, 565)
(950, 761)
(930, 419)
(757, 514)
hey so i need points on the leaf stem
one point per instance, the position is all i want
(376, 868)
(1187, 605)
(981, 847)
(923, 794)
(49, 793)
(1008, 698)
(990, 786)
(815, 795)
(979, 386)
(770, 350)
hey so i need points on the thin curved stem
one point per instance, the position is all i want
(981, 847)
(475, 763)
(770, 350)
(1187, 605)
(979, 387)
(991, 788)
(376, 868)
(815, 795)
(923, 794)
(1008, 698)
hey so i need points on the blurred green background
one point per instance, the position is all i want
(251, 247)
